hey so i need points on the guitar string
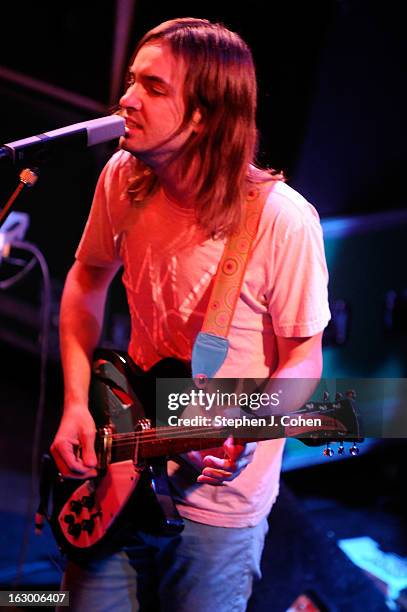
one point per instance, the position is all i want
(152, 435)
(156, 434)
(197, 431)
(153, 438)
(175, 431)
(254, 439)
(157, 431)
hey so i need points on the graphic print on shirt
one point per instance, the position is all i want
(176, 310)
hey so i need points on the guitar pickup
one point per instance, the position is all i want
(104, 447)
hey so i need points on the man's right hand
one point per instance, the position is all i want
(73, 448)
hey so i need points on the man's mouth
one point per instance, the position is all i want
(131, 125)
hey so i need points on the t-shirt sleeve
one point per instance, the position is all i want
(97, 246)
(298, 301)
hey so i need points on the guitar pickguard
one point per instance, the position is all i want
(93, 507)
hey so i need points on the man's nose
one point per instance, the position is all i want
(131, 99)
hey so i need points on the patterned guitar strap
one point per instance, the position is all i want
(211, 344)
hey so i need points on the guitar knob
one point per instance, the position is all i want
(328, 451)
(88, 525)
(69, 519)
(354, 450)
(88, 501)
(341, 449)
(75, 530)
(76, 506)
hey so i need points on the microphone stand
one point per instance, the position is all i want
(28, 177)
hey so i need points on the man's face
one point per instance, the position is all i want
(153, 104)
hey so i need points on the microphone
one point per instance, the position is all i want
(77, 136)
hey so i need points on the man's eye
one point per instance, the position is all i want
(157, 91)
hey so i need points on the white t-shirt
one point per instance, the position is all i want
(169, 267)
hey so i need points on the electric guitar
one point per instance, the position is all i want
(93, 516)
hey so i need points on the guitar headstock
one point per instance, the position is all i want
(341, 423)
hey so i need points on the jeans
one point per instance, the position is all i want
(203, 569)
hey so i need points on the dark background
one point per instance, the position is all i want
(332, 99)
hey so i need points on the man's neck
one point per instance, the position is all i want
(179, 189)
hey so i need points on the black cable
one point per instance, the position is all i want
(16, 278)
(44, 343)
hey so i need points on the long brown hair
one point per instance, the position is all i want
(221, 82)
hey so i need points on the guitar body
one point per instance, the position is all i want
(94, 517)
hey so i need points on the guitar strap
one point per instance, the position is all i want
(211, 344)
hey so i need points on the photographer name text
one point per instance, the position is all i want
(244, 421)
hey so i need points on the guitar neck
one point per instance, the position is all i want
(167, 441)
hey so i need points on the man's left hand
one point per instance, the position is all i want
(236, 457)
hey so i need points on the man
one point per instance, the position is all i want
(163, 208)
